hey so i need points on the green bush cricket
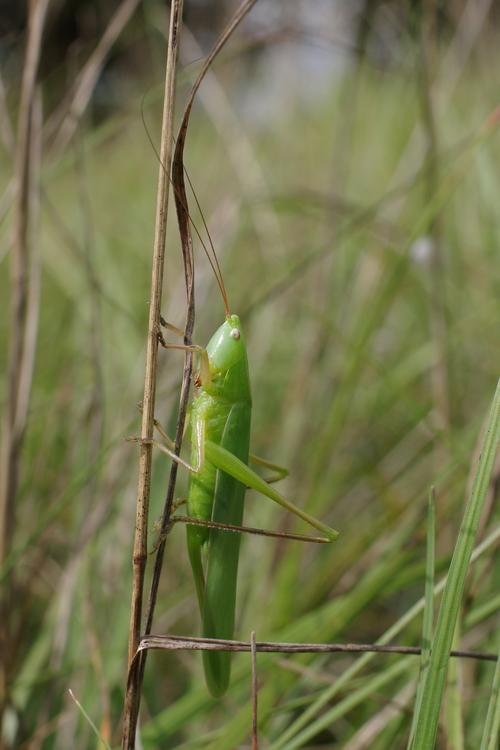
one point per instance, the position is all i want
(220, 416)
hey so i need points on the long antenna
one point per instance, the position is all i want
(222, 286)
(214, 263)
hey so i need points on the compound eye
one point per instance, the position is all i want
(235, 333)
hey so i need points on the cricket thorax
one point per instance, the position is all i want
(212, 411)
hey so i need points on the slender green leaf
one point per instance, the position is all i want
(428, 608)
(491, 730)
(100, 738)
(428, 717)
(454, 722)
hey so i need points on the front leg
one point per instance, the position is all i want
(169, 451)
(205, 376)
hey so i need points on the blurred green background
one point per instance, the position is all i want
(339, 154)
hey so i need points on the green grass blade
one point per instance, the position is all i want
(103, 745)
(489, 740)
(428, 717)
(428, 609)
(453, 714)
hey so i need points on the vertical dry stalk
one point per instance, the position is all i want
(25, 293)
(143, 489)
(255, 722)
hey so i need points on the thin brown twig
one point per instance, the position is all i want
(255, 737)
(132, 698)
(185, 643)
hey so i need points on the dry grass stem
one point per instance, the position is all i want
(132, 698)
(255, 738)
(184, 643)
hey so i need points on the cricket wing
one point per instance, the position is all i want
(223, 552)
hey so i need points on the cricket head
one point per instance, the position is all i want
(227, 356)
